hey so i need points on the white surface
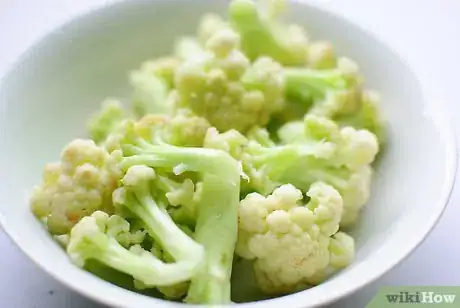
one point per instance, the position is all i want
(422, 31)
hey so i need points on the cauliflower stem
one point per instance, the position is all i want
(218, 207)
(88, 239)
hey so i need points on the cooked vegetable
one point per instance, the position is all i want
(80, 184)
(228, 90)
(250, 140)
(290, 242)
(152, 84)
(263, 35)
(110, 117)
(217, 207)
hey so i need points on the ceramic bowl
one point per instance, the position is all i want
(47, 96)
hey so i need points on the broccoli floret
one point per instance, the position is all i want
(217, 207)
(263, 35)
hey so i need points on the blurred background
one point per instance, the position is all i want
(426, 33)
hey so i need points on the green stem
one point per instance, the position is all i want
(217, 223)
(172, 238)
(314, 81)
(216, 230)
(145, 267)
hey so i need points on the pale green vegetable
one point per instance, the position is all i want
(186, 129)
(348, 169)
(217, 208)
(109, 118)
(263, 35)
(79, 184)
(248, 140)
(290, 242)
(226, 89)
(152, 83)
(94, 238)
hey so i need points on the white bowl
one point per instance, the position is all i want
(59, 82)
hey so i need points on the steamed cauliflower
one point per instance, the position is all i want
(341, 254)
(289, 242)
(80, 184)
(355, 148)
(348, 169)
(152, 84)
(107, 120)
(263, 35)
(248, 141)
(226, 88)
(186, 129)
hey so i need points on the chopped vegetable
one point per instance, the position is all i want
(250, 140)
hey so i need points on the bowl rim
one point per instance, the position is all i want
(371, 268)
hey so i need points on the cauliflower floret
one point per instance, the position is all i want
(80, 184)
(368, 116)
(355, 148)
(181, 129)
(231, 141)
(288, 241)
(321, 55)
(210, 23)
(152, 83)
(341, 255)
(90, 228)
(102, 124)
(227, 89)
(356, 192)
(183, 198)
(263, 34)
(146, 128)
(186, 129)
(349, 169)
(164, 68)
(236, 144)
(148, 125)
